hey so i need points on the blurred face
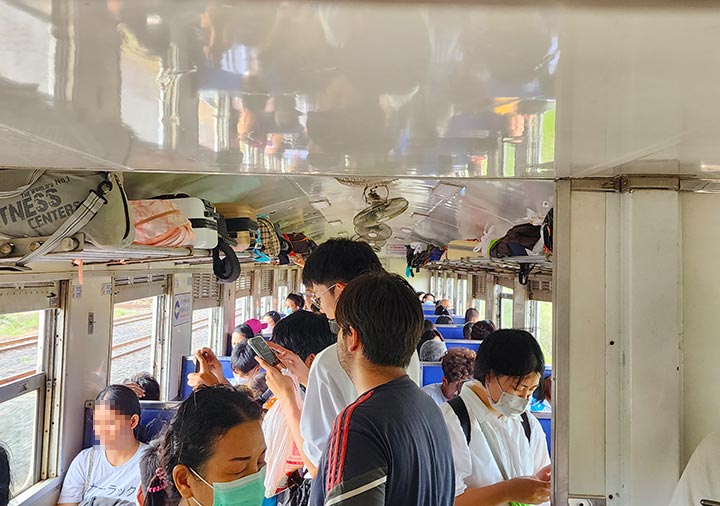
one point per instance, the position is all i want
(246, 377)
(452, 388)
(270, 322)
(291, 305)
(429, 298)
(237, 338)
(238, 453)
(112, 428)
(520, 387)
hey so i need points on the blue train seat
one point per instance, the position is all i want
(188, 367)
(451, 331)
(463, 343)
(545, 419)
(155, 416)
(430, 372)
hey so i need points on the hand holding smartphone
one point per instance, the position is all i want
(261, 348)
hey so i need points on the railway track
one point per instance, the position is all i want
(119, 350)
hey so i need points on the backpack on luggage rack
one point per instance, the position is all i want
(55, 205)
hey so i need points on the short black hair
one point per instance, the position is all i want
(428, 295)
(480, 330)
(304, 333)
(122, 399)
(428, 325)
(148, 383)
(299, 302)
(386, 314)
(245, 330)
(4, 476)
(339, 261)
(441, 310)
(444, 319)
(276, 317)
(510, 352)
(243, 358)
(471, 313)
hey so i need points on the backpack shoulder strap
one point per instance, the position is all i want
(460, 409)
(526, 425)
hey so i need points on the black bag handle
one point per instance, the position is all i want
(226, 269)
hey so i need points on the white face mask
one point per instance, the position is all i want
(266, 333)
(239, 380)
(509, 405)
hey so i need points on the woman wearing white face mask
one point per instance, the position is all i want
(213, 453)
(499, 449)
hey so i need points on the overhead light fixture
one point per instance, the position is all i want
(335, 222)
(419, 215)
(342, 233)
(406, 230)
(320, 204)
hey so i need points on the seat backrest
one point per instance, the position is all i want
(188, 367)
(463, 343)
(451, 331)
(430, 372)
(545, 419)
(154, 417)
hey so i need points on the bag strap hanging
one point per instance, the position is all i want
(85, 212)
(36, 174)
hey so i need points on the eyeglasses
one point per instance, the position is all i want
(315, 300)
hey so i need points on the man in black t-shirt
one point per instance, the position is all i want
(390, 446)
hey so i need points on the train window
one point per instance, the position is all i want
(243, 309)
(541, 312)
(18, 418)
(480, 306)
(505, 307)
(461, 296)
(202, 322)
(266, 304)
(19, 338)
(132, 338)
(282, 293)
(450, 288)
(22, 382)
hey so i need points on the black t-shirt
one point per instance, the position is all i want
(389, 447)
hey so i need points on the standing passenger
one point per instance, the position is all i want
(213, 452)
(110, 470)
(390, 445)
(499, 449)
(328, 271)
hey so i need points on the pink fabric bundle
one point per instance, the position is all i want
(160, 223)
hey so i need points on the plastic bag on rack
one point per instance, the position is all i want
(160, 223)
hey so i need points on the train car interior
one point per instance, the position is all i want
(168, 167)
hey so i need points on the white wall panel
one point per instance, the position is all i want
(701, 319)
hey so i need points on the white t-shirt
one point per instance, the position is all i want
(435, 391)
(106, 480)
(475, 465)
(701, 478)
(329, 390)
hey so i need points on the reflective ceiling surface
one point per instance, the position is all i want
(267, 101)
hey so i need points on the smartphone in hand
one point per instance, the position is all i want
(262, 350)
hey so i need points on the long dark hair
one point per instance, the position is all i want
(123, 400)
(201, 420)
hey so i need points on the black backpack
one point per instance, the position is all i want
(518, 239)
(460, 409)
(547, 231)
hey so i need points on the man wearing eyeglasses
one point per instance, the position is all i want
(327, 272)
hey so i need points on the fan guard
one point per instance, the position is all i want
(378, 232)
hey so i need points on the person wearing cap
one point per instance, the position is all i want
(251, 328)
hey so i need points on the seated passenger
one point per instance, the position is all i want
(429, 335)
(152, 490)
(272, 318)
(700, 478)
(444, 320)
(481, 330)
(499, 449)
(256, 326)
(428, 299)
(241, 333)
(304, 335)
(213, 451)
(389, 446)
(457, 366)
(472, 316)
(246, 371)
(421, 295)
(4, 476)
(443, 307)
(111, 469)
(432, 351)
(145, 386)
(293, 303)
(428, 325)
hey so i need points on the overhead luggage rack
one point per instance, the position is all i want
(76, 248)
(512, 263)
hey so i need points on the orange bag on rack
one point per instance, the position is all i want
(160, 223)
